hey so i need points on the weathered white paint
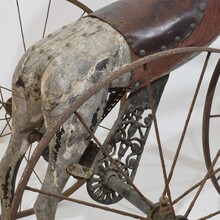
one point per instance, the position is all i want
(50, 75)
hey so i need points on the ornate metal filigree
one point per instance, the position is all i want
(125, 143)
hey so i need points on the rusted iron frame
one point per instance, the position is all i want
(81, 5)
(75, 105)
(188, 119)
(61, 197)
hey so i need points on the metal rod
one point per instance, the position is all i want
(122, 188)
(202, 184)
(179, 147)
(61, 197)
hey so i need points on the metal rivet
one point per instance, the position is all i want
(142, 53)
(163, 47)
(137, 85)
(192, 26)
(177, 38)
(67, 44)
(130, 41)
(202, 7)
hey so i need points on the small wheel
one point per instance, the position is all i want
(211, 118)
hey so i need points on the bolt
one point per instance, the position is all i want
(192, 26)
(130, 41)
(164, 47)
(142, 53)
(137, 85)
(177, 38)
(202, 7)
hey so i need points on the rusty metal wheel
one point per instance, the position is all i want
(210, 119)
(114, 173)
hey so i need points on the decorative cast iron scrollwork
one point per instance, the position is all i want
(125, 143)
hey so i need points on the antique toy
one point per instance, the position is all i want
(68, 82)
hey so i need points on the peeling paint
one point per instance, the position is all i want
(47, 86)
(102, 64)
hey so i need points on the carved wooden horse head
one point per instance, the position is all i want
(60, 67)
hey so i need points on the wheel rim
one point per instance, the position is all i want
(206, 123)
(62, 119)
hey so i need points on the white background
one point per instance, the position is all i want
(171, 113)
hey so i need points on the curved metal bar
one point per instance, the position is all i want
(206, 122)
(81, 5)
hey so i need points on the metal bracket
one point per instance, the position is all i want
(125, 143)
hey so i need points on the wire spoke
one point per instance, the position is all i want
(215, 116)
(46, 20)
(210, 215)
(202, 184)
(188, 119)
(156, 128)
(61, 197)
(194, 187)
(21, 26)
(101, 126)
